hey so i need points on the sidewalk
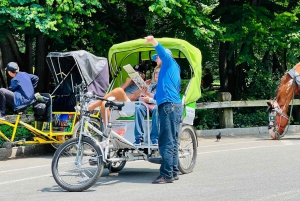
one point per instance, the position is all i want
(33, 150)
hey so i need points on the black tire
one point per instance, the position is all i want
(116, 166)
(187, 149)
(93, 121)
(72, 176)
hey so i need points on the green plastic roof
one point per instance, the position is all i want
(131, 52)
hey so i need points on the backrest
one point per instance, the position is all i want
(47, 117)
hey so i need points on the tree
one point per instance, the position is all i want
(34, 23)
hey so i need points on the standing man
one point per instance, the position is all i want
(21, 90)
(169, 110)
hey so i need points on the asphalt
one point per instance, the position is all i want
(33, 150)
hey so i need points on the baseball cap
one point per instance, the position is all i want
(140, 67)
(12, 67)
(168, 51)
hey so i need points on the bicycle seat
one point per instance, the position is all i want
(115, 105)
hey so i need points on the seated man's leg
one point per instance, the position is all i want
(119, 94)
(139, 115)
(155, 127)
(6, 98)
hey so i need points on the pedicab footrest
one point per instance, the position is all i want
(154, 160)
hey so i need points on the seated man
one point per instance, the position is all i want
(129, 91)
(141, 113)
(21, 90)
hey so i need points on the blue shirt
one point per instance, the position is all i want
(168, 85)
(23, 85)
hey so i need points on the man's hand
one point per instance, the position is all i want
(144, 90)
(145, 99)
(151, 39)
(148, 82)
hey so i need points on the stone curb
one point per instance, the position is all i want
(241, 131)
(23, 151)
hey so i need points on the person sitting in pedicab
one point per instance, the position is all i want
(128, 92)
(141, 113)
(20, 93)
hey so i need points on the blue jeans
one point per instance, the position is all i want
(139, 116)
(6, 98)
(169, 115)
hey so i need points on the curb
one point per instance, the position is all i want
(23, 151)
(241, 131)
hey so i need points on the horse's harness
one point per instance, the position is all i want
(278, 110)
(272, 118)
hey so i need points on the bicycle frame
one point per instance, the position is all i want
(112, 139)
(43, 134)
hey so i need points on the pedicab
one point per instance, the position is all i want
(54, 117)
(78, 163)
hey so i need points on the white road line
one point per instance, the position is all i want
(14, 181)
(219, 144)
(41, 166)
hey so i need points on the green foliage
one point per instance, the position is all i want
(245, 117)
(260, 85)
(207, 118)
(20, 133)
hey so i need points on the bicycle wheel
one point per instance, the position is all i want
(187, 149)
(79, 174)
(94, 122)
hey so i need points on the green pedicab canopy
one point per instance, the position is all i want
(131, 52)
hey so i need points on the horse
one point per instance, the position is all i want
(278, 108)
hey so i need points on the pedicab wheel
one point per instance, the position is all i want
(187, 149)
(73, 173)
(97, 123)
(116, 166)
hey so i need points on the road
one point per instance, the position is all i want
(248, 167)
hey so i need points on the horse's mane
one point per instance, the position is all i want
(284, 83)
(285, 78)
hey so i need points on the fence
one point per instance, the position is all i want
(225, 106)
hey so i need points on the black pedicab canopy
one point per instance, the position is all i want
(72, 68)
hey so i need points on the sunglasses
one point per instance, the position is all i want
(156, 72)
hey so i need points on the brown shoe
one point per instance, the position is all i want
(162, 180)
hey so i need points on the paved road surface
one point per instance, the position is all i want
(248, 167)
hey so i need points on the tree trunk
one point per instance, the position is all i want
(29, 53)
(7, 56)
(16, 52)
(41, 69)
(277, 65)
(2, 73)
(223, 66)
(223, 60)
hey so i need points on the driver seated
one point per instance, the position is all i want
(128, 92)
(20, 93)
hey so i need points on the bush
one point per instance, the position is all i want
(20, 133)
